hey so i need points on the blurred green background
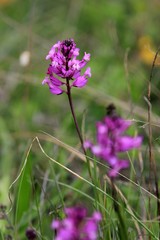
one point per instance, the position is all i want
(115, 32)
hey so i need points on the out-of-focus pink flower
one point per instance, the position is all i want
(111, 141)
(65, 65)
(76, 225)
(31, 234)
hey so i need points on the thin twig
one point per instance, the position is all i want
(152, 162)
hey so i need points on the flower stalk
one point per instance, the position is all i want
(74, 116)
(65, 65)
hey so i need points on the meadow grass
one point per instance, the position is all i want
(43, 167)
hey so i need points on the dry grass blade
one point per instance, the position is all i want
(152, 162)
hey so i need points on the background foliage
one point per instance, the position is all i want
(116, 33)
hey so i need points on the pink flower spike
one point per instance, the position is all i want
(111, 140)
(77, 225)
(65, 65)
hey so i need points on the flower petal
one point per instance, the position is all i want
(80, 82)
(87, 56)
(56, 81)
(88, 72)
(121, 164)
(45, 81)
(87, 144)
(55, 90)
(97, 150)
(126, 143)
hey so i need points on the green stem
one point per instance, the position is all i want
(75, 122)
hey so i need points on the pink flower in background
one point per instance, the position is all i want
(111, 141)
(65, 65)
(31, 234)
(76, 225)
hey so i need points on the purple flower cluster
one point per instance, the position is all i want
(64, 64)
(76, 225)
(111, 141)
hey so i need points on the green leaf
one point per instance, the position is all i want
(24, 189)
